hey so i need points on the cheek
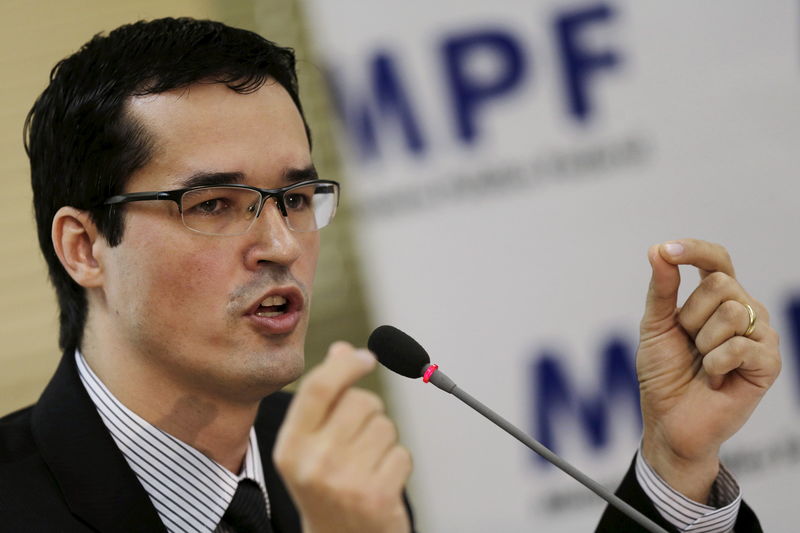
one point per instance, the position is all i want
(306, 266)
(192, 280)
(174, 284)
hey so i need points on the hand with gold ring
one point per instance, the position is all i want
(702, 367)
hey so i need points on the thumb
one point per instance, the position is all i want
(662, 296)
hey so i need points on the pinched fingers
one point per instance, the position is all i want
(758, 362)
(718, 285)
(338, 453)
(316, 401)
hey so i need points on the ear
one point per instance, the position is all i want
(74, 237)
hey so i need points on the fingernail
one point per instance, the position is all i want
(673, 248)
(366, 356)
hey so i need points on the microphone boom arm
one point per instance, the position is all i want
(440, 379)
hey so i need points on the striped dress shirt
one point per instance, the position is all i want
(685, 514)
(189, 491)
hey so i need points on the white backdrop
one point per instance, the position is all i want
(511, 163)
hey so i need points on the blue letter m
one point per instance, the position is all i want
(555, 396)
(386, 100)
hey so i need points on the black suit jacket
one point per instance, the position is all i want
(61, 471)
(630, 491)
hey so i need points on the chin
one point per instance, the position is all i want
(267, 375)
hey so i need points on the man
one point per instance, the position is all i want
(702, 370)
(178, 207)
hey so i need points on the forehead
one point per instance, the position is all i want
(209, 128)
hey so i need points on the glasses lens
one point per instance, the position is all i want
(311, 207)
(219, 210)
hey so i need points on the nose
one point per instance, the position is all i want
(271, 240)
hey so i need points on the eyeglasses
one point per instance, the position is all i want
(232, 209)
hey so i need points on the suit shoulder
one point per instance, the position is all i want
(16, 437)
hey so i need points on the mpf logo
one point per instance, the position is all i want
(385, 100)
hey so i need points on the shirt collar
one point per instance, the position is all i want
(189, 490)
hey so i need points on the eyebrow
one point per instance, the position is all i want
(301, 174)
(205, 179)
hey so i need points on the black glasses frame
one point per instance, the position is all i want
(175, 195)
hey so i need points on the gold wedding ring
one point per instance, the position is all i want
(752, 325)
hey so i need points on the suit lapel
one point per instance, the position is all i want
(95, 480)
(284, 513)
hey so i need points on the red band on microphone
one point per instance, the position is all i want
(426, 377)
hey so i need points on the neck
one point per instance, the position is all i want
(217, 427)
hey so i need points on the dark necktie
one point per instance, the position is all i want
(247, 512)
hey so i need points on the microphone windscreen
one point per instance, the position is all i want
(398, 352)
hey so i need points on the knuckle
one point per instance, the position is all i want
(773, 365)
(385, 427)
(287, 451)
(732, 311)
(777, 366)
(403, 456)
(315, 473)
(772, 341)
(367, 399)
(317, 388)
(711, 363)
(338, 486)
(339, 347)
(703, 342)
(685, 319)
(718, 362)
(373, 502)
(739, 345)
(716, 281)
(767, 335)
(721, 250)
(361, 402)
(283, 460)
(360, 497)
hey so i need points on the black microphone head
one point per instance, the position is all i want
(398, 352)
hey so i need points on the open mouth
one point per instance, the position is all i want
(272, 306)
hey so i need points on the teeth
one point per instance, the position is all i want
(269, 314)
(273, 300)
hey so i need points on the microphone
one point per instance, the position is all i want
(400, 353)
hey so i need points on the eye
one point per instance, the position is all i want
(296, 201)
(209, 206)
(206, 205)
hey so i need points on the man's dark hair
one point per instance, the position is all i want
(83, 145)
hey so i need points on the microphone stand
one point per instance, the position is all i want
(440, 379)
